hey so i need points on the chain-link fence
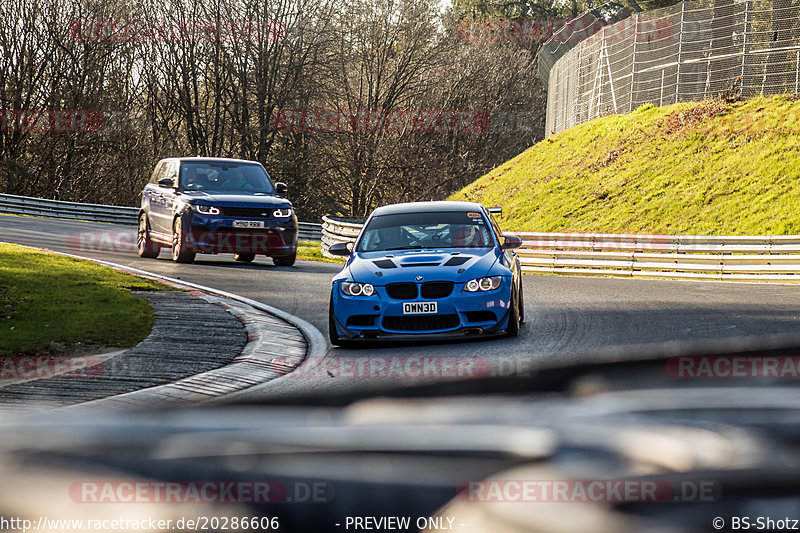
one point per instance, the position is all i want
(687, 52)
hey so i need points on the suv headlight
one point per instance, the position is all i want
(205, 209)
(351, 288)
(284, 212)
(483, 284)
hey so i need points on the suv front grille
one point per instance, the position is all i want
(247, 212)
(402, 291)
(436, 289)
(420, 323)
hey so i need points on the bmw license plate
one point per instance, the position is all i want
(256, 224)
(420, 308)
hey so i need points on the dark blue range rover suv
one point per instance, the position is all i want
(214, 205)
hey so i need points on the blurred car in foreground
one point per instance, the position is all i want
(590, 448)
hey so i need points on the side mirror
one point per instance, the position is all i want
(511, 241)
(281, 188)
(341, 248)
(167, 183)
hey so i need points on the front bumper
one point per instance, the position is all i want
(458, 315)
(213, 235)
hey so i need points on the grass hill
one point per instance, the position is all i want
(713, 167)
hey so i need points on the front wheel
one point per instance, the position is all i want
(333, 335)
(285, 260)
(180, 254)
(514, 319)
(145, 245)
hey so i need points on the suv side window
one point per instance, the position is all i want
(171, 171)
(158, 173)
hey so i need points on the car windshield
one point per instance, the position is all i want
(409, 231)
(225, 177)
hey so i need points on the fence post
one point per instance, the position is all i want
(600, 89)
(661, 99)
(744, 43)
(577, 105)
(610, 74)
(633, 58)
(598, 78)
(680, 51)
(797, 75)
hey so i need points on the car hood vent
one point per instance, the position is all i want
(457, 261)
(385, 263)
(406, 265)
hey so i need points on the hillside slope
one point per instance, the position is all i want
(702, 168)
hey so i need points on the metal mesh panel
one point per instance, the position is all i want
(687, 52)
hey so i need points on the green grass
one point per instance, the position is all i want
(703, 168)
(50, 304)
(310, 251)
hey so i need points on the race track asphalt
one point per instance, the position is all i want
(568, 319)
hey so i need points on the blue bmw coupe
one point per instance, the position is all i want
(427, 269)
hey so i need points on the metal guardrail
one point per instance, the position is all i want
(335, 229)
(309, 231)
(749, 257)
(26, 205)
(730, 257)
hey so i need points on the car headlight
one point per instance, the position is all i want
(483, 284)
(284, 212)
(206, 209)
(351, 288)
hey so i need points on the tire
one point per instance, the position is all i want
(285, 260)
(179, 252)
(244, 258)
(333, 335)
(145, 246)
(521, 304)
(514, 321)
